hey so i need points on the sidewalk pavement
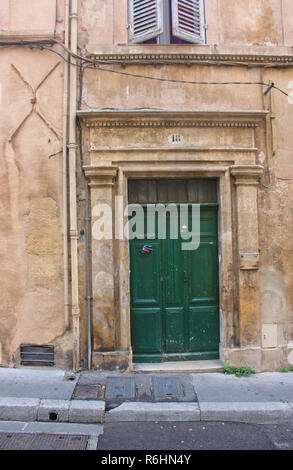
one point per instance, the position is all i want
(91, 397)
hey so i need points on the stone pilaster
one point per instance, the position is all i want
(101, 182)
(246, 179)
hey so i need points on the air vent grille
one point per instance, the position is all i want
(35, 355)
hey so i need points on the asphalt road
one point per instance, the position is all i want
(195, 436)
(114, 439)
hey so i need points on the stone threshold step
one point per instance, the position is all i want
(179, 366)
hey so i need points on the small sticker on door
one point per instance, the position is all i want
(147, 249)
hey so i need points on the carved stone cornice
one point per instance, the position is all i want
(171, 119)
(178, 123)
(190, 58)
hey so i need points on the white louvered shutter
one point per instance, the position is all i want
(146, 19)
(188, 20)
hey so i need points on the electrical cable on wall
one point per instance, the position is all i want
(95, 65)
(90, 64)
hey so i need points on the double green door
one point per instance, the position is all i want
(174, 295)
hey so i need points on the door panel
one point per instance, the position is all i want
(174, 329)
(204, 328)
(173, 272)
(145, 289)
(203, 285)
(146, 330)
(174, 293)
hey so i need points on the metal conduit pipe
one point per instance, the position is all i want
(72, 146)
(87, 234)
(88, 293)
(64, 172)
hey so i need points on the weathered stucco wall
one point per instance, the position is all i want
(244, 28)
(31, 107)
(35, 15)
(32, 305)
(230, 22)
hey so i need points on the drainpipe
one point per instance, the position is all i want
(87, 231)
(72, 146)
(64, 171)
(88, 291)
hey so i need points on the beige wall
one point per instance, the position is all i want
(242, 30)
(32, 15)
(31, 246)
(230, 22)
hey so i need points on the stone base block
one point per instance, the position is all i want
(242, 357)
(259, 359)
(111, 360)
(273, 359)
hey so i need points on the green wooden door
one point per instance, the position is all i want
(174, 295)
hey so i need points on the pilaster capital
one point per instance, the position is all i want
(246, 174)
(100, 175)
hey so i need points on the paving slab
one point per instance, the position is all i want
(167, 387)
(120, 387)
(86, 392)
(59, 428)
(12, 426)
(246, 412)
(261, 387)
(134, 411)
(36, 383)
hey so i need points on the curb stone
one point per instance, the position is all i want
(142, 411)
(87, 412)
(246, 412)
(18, 409)
(53, 410)
(58, 411)
(93, 411)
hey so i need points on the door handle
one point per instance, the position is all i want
(185, 276)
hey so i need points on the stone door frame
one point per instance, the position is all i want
(108, 169)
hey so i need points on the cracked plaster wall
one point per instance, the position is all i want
(242, 27)
(31, 243)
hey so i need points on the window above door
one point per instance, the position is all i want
(166, 21)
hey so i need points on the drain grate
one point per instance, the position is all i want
(26, 441)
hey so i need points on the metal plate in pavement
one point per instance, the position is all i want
(26, 441)
(118, 387)
(167, 387)
(89, 392)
